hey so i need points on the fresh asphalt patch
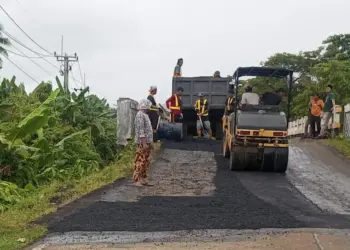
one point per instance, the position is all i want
(237, 200)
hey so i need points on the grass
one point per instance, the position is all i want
(15, 223)
(343, 145)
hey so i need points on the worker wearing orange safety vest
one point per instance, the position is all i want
(202, 108)
(174, 104)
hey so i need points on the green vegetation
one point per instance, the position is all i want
(15, 222)
(54, 147)
(343, 145)
(314, 70)
(50, 135)
(4, 42)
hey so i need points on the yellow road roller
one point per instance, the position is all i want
(256, 135)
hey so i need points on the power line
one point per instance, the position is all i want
(9, 51)
(40, 55)
(24, 31)
(72, 76)
(81, 75)
(76, 84)
(32, 60)
(21, 70)
(18, 42)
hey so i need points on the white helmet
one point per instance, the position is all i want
(153, 87)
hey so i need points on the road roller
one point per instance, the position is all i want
(256, 136)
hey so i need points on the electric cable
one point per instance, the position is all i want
(22, 70)
(2, 8)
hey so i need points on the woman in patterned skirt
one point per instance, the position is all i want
(143, 141)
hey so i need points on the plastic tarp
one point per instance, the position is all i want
(126, 112)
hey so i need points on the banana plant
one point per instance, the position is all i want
(35, 120)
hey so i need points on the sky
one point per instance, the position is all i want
(125, 46)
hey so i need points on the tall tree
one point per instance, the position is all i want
(336, 47)
(3, 42)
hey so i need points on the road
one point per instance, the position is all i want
(195, 198)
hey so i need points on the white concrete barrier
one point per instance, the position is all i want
(297, 127)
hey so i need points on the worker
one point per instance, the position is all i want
(202, 108)
(328, 111)
(178, 70)
(249, 98)
(153, 111)
(316, 111)
(216, 74)
(273, 98)
(230, 103)
(174, 104)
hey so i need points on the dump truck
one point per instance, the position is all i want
(256, 136)
(214, 90)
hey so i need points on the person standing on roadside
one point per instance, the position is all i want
(328, 109)
(153, 111)
(316, 111)
(143, 141)
(308, 121)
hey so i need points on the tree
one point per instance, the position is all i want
(336, 47)
(3, 42)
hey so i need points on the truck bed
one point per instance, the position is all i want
(214, 89)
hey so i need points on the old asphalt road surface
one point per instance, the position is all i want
(195, 202)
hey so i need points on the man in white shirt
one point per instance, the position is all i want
(249, 98)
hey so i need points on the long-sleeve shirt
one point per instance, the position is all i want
(171, 104)
(143, 128)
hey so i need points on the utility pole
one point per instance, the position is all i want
(66, 59)
(66, 67)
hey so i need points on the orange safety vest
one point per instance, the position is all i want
(200, 108)
(176, 106)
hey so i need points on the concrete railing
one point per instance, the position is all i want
(297, 127)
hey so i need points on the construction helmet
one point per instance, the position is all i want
(153, 87)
